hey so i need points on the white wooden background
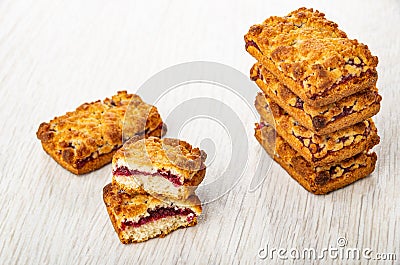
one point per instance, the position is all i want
(55, 55)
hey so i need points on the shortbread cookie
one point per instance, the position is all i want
(321, 120)
(312, 57)
(87, 138)
(316, 179)
(318, 149)
(139, 217)
(166, 167)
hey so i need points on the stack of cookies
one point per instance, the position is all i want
(318, 96)
(153, 188)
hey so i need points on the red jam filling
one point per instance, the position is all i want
(359, 65)
(252, 43)
(82, 162)
(157, 214)
(299, 103)
(124, 171)
(346, 111)
(261, 125)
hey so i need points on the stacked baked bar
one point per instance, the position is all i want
(153, 188)
(318, 96)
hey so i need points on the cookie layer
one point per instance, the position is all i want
(139, 217)
(318, 149)
(87, 138)
(321, 120)
(170, 167)
(316, 179)
(312, 57)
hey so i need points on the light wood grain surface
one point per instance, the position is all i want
(56, 55)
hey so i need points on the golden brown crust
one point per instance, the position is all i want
(173, 155)
(319, 149)
(321, 179)
(90, 166)
(312, 57)
(85, 139)
(321, 120)
(133, 206)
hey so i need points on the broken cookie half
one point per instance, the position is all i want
(162, 167)
(138, 217)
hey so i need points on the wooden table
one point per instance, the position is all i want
(56, 55)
